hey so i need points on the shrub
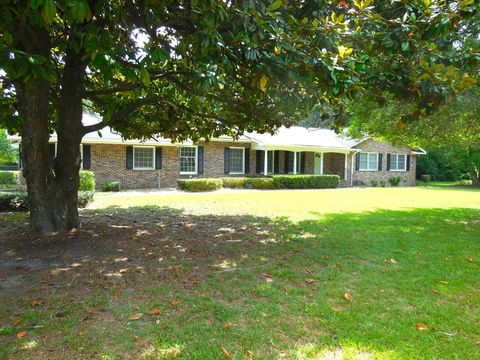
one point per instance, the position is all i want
(374, 183)
(395, 180)
(263, 183)
(84, 198)
(87, 181)
(9, 177)
(382, 183)
(306, 181)
(234, 182)
(13, 201)
(110, 186)
(426, 178)
(199, 184)
(18, 201)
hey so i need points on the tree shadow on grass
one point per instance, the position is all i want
(280, 284)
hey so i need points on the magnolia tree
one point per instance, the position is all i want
(197, 69)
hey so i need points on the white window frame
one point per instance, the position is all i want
(196, 160)
(368, 162)
(153, 162)
(243, 161)
(397, 168)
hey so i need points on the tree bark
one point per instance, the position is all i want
(70, 133)
(36, 163)
(475, 178)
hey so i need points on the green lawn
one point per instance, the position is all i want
(273, 265)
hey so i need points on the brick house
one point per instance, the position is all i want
(158, 163)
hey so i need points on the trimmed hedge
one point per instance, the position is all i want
(195, 185)
(110, 186)
(263, 183)
(305, 181)
(18, 201)
(9, 177)
(87, 181)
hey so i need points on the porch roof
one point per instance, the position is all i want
(297, 138)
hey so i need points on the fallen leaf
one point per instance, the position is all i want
(123, 271)
(308, 270)
(421, 326)
(382, 291)
(390, 261)
(348, 297)
(336, 308)
(135, 316)
(470, 258)
(435, 291)
(117, 293)
(443, 282)
(176, 269)
(175, 302)
(35, 303)
(135, 307)
(228, 326)
(310, 280)
(268, 277)
(21, 334)
(154, 311)
(17, 322)
(225, 352)
(135, 338)
(249, 353)
(81, 333)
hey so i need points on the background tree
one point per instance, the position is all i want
(8, 155)
(195, 69)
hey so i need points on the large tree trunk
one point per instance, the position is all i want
(474, 176)
(33, 108)
(70, 133)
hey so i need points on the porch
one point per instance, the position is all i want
(302, 160)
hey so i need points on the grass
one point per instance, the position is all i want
(277, 267)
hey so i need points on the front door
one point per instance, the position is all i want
(318, 166)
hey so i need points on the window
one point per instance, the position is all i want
(398, 162)
(143, 158)
(368, 161)
(188, 160)
(237, 160)
(290, 162)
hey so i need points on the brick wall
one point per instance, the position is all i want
(370, 145)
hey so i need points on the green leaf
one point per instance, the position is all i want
(276, 5)
(8, 38)
(144, 77)
(35, 4)
(49, 10)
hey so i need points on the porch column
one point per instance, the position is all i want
(265, 164)
(294, 163)
(321, 163)
(345, 169)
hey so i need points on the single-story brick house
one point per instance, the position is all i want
(158, 163)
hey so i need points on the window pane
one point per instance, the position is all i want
(290, 161)
(372, 162)
(143, 158)
(236, 160)
(363, 161)
(401, 162)
(188, 159)
(393, 162)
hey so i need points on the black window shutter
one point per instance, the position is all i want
(51, 150)
(260, 158)
(302, 162)
(388, 161)
(408, 162)
(226, 160)
(200, 159)
(276, 158)
(86, 157)
(129, 157)
(380, 158)
(247, 160)
(287, 157)
(158, 157)
(357, 161)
